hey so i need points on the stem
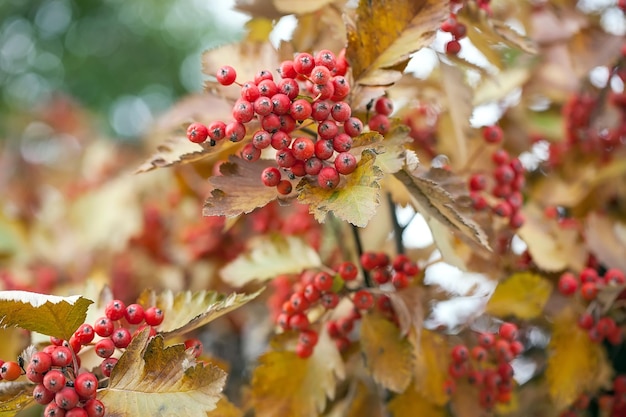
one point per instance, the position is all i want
(359, 249)
(397, 229)
(472, 158)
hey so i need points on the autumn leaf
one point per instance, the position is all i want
(387, 354)
(410, 402)
(239, 189)
(14, 396)
(392, 154)
(355, 201)
(433, 201)
(46, 314)
(269, 256)
(386, 32)
(225, 409)
(523, 295)
(606, 239)
(361, 401)
(151, 379)
(188, 310)
(430, 365)
(300, 7)
(408, 304)
(285, 385)
(576, 364)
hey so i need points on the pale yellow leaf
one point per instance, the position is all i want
(575, 363)
(46, 314)
(189, 310)
(268, 256)
(430, 365)
(386, 32)
(393, 153)
(411, 403)
(498, 86)
(285, 385)
(387, 354)
(225, 409)
(454, 125)
(523, 295)
(300, 7)
(151, 379)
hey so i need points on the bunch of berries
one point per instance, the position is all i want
(612, 404)
(487, 365)
(504, 183)
(458, 31)
(293, 300)
(600, 326)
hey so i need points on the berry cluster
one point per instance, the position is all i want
(505, 183)
(487, 365)
(309, 94)
(587, 284)
(292, 300)
(458, 31)
(612, 404)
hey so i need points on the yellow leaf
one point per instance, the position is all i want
(411, 403)
(524, 295)
(575, 363)
(432, 200)
(46, 314)
(430, 366)
(285, 385)
(268, 256)
(259, 30)
(14, 396)
(386, 32)
(392, 154)
(225, 409)
(153, 380)
(239, 189)
(300, 7)
(186, 311)
(355, 201)
(388, 355)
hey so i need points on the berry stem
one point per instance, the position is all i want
(397, 228)
(359, 249)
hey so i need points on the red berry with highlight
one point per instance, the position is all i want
(197, 132)
(226, 75)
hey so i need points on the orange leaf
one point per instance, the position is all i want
(430, 365)
(386, 32)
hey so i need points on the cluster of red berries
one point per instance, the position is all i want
(487, 365)
(587, 284)
(310, 93)
(505, 183)
(458, 31)
(610, 404)
(292, 300)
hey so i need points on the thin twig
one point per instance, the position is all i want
(397, 229)
(359, 249)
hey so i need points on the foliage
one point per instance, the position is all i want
(512, 305)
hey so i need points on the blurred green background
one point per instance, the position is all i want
(125, 61)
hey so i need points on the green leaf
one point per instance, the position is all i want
(15, 396)
(524, 295)
(355, 201)
(153, 380)
(46, 314)
(268, 256)
(186, 311)
(386, 32)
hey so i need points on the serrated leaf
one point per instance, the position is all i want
(285, 385)
(392, 154)
(386, 32)
(355, 201)
(151, 379)
(430, 366)
(388, 355)
(433, 201)
(410, 403)
(268, 256)
(225, 409)
(239, 189)
(575, 363)
(15, 396)
(178, 150)
(47, 314)
(604, 240)
(523, 295)
(187, 310)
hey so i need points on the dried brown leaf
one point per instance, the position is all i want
(606, 239)
(386, 32)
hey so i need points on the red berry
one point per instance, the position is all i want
(614, 276)
(299, 302)
(61, 356)
(328, 129)
(250, 92)
(311, 293)
(104, 327)
(568, 284)
(41, 362)
(286, 70)
(281, 103)
(226, 75)
(504, 174)
(459, 31)
(323, 281)
(303, 63)
(589, 291)
(67, 398)
(54, 380)
(486, 340)
(479, 353)
(458, 370)
(115, 309)
(42, 395)
(217, 130)
(500, 157)
(586, 321)
(263, 75)
(345, 163)
(313, 166)
(235, 131)
(32, 375)
(363, 299)
(453, 47)
(341, 111)
(107, 366)
(53, 410)
(308, 337)
(104, 348)
(85, 334)
(477, 182)
(10, 371)
(94, 408)
(320, 110)
(243, 111)
(303, 351)
(492, 134)
(195, 345)
(379, 123)
(341, 88)
(328, 178)
(284, 187)
(250, 153)
(197, 132)
(76, 412)
(342, 142)
(270, 176)
(516, 347)
(503, 209)
(320, 74)
(303, 148)
(347, 271)
(460, 353)
(300, 110)
(280, 140)
(121, 337)
(508, 331)
(329, 300)
(326, 58)
(449, 387)
(299, 321)
(154, 316)
(383, 106)
(86, 385)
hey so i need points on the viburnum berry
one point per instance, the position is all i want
(42, 395)
(41, 362)
(32, 375)
(329, 300)
(263, 75)
(115, 309)
(217, 130)
(286, 69)
(493, 134)
(363, 299)
(353, 127)
(341, 88)
(300, 109)
(303, 148)
(303, 63)
(85, 334)
(508, 331)
(460, 353)
(280, 140)
(61, 356)
(10, 371)
(324, 149)
(341, 111)
(284, 187)
(250, 153)
(226, 75)
(328, 178)
(67, 398)
(195, 346)
(94, 408)
(328, 129)
(107, 365)
(86, 385)
(53, 410)
(347, 271)
(589, 291)
(384, 106)
(270, 176)
(320, 74)
(197, 132)
(104, 327)
(313, 165)
(320, 110)
(345, 163)
(235, 131)
(153, 316)
(54, 380)
(453, 47)
(250, 91)
(121, 337)
(104, 348)
(281, 103)
(303, 351)
(261, 139)
(568, 284)
(326, 58)
(342, 142)
(379, 123)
